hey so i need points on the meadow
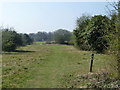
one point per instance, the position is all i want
(48, 66)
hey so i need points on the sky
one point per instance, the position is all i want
(31, 17)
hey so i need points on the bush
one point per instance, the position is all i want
(10, 40)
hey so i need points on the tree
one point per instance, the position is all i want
(114, 36)
(61, 36)
(97, 29)
(79, 32)
(26, 40)
(32, 36)
(50, 36)
(90, 32)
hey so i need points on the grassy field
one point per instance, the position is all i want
(47, 66)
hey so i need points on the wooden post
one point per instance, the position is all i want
(91, 62)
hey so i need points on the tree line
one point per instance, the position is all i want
(11, 39)
(42, 36)
(61, 36)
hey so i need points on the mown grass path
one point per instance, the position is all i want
(49, 66)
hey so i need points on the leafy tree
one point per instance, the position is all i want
(97, 29)
(90, 32)
(61, 36)
(50, 36)
(80, 32)
(114, 37)
(32, 36)
(26, 40)
(41, 36)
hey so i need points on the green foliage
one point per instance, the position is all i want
(62, 36)
(26, 40)
(96, 31)
(11, 40)
(114, 40)
(90, 33)
(79, 32)
(42, 36)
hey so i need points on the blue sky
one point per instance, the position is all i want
(31, 17)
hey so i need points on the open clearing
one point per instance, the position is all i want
(47, 66)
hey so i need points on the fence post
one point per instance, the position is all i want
(91, 62)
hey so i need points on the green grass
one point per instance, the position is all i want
(47, 66)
